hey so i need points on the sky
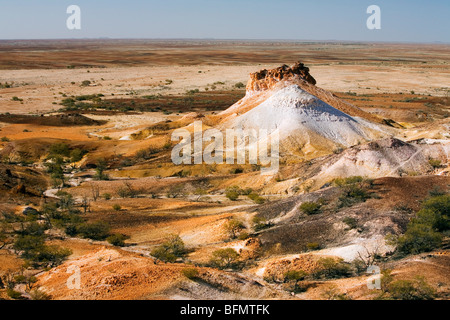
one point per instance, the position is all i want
(401, 20)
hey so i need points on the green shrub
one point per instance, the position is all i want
(170, 250)
(294, 275)
(310, 207)
(353, 194)
(232, 193)
(117, 239)
(416, 289)
(101, 166)
(260, 223)
(441, 206)
(14, 294)
(233, 227)
(190, 273)
(59, 149)
(435, 163)
(419, 238)
(330, 268)
(313, 246)
(107, 196)
(256, 198)
(77, 154)
(423, 232)
(95, 231)
(38, 294)
(117, 207)
(224, 258)
(341, 182)
(352, 223)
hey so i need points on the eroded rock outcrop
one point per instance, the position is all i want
(266, 79)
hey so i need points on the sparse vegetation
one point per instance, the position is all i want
(424, 233)
(172, 249)
(260, 223)
(224, 258)
(435, 163)
(234, 227)
(352, 223)
(117, 239)
(415, 289)
(354, 190)
(310, 207)
(190, 273)
(232, 193)
(330, 268)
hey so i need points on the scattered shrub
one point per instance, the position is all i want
(310, 207)
(313, 246)
(190, 273)
(352, 223)
(224, 258)
(330, 268)
(423, 233)
(294, 275)
(38, 294)
(233, 227)
(260, 223)
(418, 238)
(256, 198)
(95, 231)
(232, 193)
(117, 239)
(170, 250)
(14, 294)
(117, 207)
(415, 289)
(435, 163)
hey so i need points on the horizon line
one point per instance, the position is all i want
(436, 42)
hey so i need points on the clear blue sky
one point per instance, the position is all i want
(401, 20)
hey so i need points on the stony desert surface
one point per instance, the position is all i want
(88, 183)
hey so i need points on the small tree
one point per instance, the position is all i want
(233, 227)
(224, 258)
(170, 250)
(99, 170)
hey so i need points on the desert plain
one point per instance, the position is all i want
(87, 179)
